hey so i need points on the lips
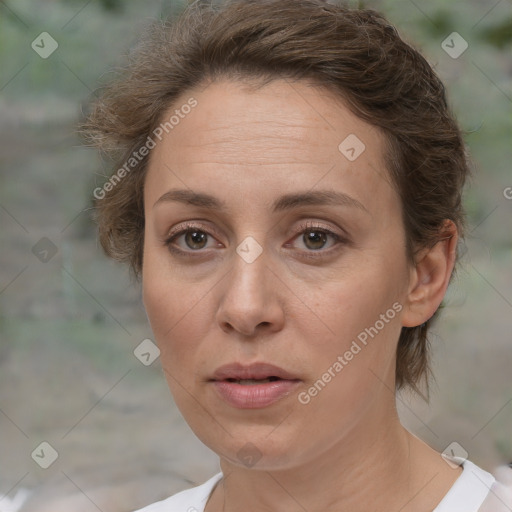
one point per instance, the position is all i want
(248, 382)
(255, 371)
(255, 386)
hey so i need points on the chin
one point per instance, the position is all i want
(257, 447)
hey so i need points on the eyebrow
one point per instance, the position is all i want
(282, 203)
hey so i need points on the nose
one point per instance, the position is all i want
(251, 302)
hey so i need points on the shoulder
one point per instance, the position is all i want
(477, 490)
(190, 500)
(499, 498)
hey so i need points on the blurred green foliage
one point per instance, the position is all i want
(499, 35)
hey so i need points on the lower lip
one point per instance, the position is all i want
(254, 396)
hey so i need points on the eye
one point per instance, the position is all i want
(314, 237)
(194, 237)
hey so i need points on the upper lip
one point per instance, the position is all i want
(238, 371)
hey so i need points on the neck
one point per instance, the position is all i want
(378, 465)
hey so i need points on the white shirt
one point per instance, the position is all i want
(467, 494)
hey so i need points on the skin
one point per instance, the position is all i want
(345, 449)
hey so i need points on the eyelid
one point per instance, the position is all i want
(303, 227)
(189, 225)
(309, 224)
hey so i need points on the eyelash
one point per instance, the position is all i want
(308, 226)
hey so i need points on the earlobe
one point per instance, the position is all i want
(430, 277)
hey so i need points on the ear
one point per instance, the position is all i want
(430, 276)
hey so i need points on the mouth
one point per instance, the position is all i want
(255, 386)
(253, 372)
(249, 382)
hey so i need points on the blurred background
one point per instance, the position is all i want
(70, 319)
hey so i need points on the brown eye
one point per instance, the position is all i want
(315, 239)
(188, 240)
(195, 239)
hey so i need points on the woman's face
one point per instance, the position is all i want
(294, 267)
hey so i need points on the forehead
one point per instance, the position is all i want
(274, 135)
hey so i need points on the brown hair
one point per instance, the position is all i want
(355, 53)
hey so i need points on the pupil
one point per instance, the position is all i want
(315, 239)
(195, 237)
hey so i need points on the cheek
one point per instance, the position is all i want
(167, 308)
(352, 301)
(166, 304)
(361, 320)
(180, 315)
(353, 366)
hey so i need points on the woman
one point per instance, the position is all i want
(288, 187)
